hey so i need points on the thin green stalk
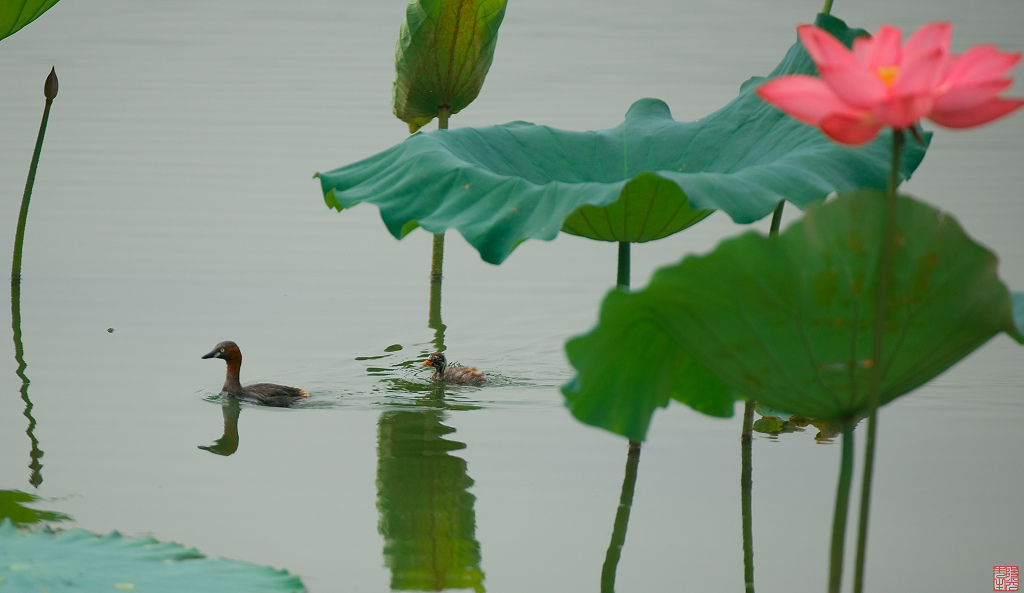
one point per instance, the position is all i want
(835, 575)
(49, 91)
(776, 219)
(746, 459)
(622, 278)
(443, 113)
(434, 322)
(877, 353)
(437, 258)
(828, 7)
(611, 558)
(746, 494)
(622, 281)
(437, 255)
(437, 264)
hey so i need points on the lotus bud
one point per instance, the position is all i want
(50, 86)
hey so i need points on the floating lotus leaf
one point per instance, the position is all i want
(15, 14)
(444, 51)
(788, 321)
(81, 561)
(500, 185)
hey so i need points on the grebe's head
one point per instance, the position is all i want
(436, 360)
(227, 350)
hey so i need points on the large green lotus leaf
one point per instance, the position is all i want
(500, 185)
(83, 562)
(15, 14)
(788, 321)
(445, 48)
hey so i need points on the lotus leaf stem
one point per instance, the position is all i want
(878, 343)
(776, 219)
(611, 559)
(622, 278)
(746, 494)
(835, 576)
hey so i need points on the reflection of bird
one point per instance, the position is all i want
(459, 375)
(227, 444)
(267, 394)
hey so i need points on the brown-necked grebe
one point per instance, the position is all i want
(459, 375)
(267, 394)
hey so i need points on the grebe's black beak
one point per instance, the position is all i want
(215, 353)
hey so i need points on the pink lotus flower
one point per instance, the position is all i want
(881, 83)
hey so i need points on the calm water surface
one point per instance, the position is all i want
(175, 206)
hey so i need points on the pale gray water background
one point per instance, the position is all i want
(175, 204)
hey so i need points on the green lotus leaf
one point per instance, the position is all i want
(15, 14)
(500, 185)
(788, 321)
(445, 48)
(649, 207)
(631, 365)
(79, 560)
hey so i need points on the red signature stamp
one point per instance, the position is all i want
(1006, 578)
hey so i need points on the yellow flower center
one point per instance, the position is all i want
(888, 74)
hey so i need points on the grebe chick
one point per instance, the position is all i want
(459, 375)
(267, 394)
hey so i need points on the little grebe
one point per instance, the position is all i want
(267, 394)
(459, 375)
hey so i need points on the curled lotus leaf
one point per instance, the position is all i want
(500, 185)
(445, 48)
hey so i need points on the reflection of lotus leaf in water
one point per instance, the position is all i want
(775, 422)
(426, 511)
(79, 560)
(12, 507)
(771, 426)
